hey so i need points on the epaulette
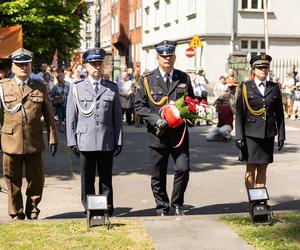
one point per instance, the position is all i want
(148, 73)
(109, 81)
(78, 81)
(5, 80)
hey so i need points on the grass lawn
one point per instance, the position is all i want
(284, 234)
(124, 234)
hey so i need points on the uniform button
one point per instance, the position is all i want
(97, 123)
(264, 105)
(97, 115)
(264, 99)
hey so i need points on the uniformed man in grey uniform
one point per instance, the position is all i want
(94, 126)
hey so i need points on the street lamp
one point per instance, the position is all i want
(97, 211)
(260, 211)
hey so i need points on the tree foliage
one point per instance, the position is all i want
(47, 25)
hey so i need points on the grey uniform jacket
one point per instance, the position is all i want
(102, 130)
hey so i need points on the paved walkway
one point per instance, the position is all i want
(215, 188)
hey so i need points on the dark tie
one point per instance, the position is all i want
(96, 87)
(167, 80)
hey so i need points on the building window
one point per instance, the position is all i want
(254, 4)
(88, 27)
(167, 11)
(88, 43)
(191, 7)
(113, 25)
(131, 20)
(139, 17)
(116, 24)
(253, 47)
(147, 18)
(156, 14)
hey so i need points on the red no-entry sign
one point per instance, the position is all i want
(190, 52)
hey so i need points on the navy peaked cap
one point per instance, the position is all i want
(93, 55)
(21, 56)
(166, 47)
(262, 60)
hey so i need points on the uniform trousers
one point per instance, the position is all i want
(102, 161)
(35, 177)
(159, 159)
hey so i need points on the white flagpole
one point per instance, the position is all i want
(266, 30)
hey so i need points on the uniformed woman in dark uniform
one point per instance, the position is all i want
(259, 118)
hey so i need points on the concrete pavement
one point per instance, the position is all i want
(216, 187)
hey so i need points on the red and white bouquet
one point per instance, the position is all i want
(185, 109)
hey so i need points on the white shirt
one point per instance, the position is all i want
(164, 74)
(261, 87)
(93, 82)
(20, 82)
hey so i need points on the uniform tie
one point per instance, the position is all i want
(96, 87)
(167, 80)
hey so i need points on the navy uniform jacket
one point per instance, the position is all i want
(101, 131)
(150, 112)
(247, 124)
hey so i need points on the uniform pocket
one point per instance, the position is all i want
(10, 98)
(7, 130)
(81, 130)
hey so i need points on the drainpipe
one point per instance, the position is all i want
(232, 27)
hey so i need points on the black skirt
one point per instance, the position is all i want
(260, 151)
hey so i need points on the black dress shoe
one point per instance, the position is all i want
(18, 217)
(179, 210)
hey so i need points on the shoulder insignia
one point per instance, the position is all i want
(5, 80)
(78, 81)
(148, 73)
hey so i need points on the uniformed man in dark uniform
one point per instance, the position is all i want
(94, 126)
(259, 118)
(159, 87)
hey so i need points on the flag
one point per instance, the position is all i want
(78, 10)
(76, 61)
(11, 39)
(55, 59)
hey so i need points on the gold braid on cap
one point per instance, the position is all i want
(148, 93)
(259, 112)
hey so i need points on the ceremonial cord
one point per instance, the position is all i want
(245, 101)
(148, 93)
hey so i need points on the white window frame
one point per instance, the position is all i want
(131, 20)
(250, 51)
(88, 27)
(88, 43)
(147, 17)
(116, 24)
(156, 14)
(191, 7)
(112, 25)
(259, 5)
(138, 17)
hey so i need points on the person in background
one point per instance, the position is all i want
(126, 90)
(259, 118)
(225, 111)
(220, 88)
(287, 92)
(199, 83)
(295, 73)
(137, 85)
(2, 74)
(158, 87)
(69, 76)
(232, 82)
(59, 95)
(123, 68)
(94, 127)
(296, 98)
(24, 102)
